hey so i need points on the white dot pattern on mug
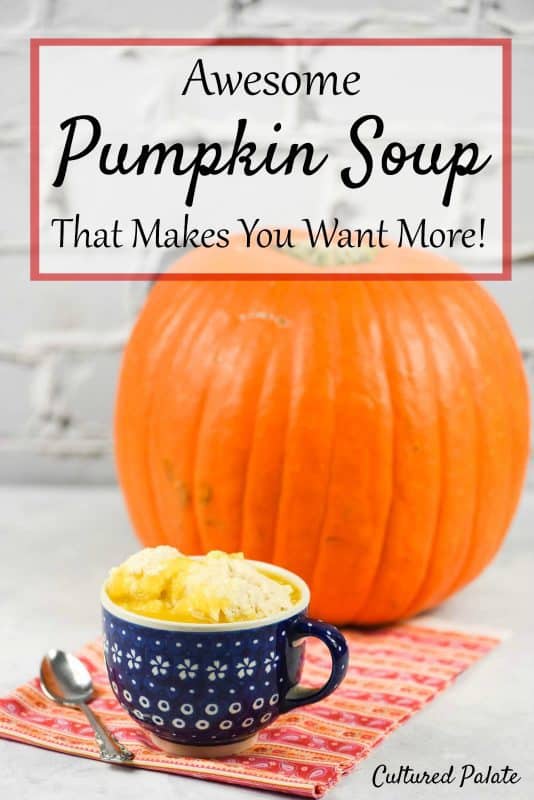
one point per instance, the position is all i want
(211, 710)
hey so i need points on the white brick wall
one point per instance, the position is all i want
(60, 342)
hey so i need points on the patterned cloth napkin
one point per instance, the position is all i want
(393, 673)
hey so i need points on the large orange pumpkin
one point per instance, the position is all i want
(371, 436)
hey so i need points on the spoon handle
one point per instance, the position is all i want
(110, 748)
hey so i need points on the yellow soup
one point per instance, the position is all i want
(219, 587)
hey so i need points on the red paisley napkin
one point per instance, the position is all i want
(393, 673)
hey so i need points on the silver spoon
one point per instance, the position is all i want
(66, 680)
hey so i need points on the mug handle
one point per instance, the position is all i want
(335, 641)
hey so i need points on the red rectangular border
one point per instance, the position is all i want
(503, 43)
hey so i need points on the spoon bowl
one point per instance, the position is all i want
(66, 680)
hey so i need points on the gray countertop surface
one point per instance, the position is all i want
(57, 544)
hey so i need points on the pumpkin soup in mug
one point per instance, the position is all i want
(162, 583)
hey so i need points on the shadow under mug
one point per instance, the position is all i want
(208, 689)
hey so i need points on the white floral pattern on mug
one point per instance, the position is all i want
(216, 670)
(116, 654)
(159, 665)
(245, 667)
(133, 659)
(187, 669)
(271, 661)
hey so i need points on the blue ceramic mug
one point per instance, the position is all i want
(207, 689)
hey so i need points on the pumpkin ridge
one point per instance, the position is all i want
(387, 372)
(517, 418)
(308, 344)
(463, 351)
(482, 320)
(290, 400)
(253, 545)
(501, 391)
(412, 524)
(425, 595)
(430, 360)
(357, 501)
(246, 487)
(143, 456)
(192, 328)
(232, 288)
(261, 384)
(519, 377)
(317, 552)
(432, 592)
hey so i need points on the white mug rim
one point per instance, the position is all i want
(216, 627)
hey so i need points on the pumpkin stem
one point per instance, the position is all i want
(324, 256)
